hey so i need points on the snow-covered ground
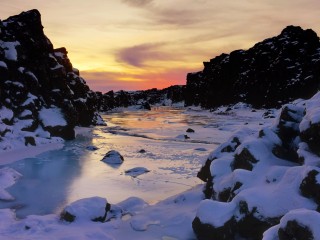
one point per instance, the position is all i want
(154, 142)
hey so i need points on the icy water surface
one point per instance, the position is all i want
(56, 178)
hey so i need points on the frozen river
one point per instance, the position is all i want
(55, 178)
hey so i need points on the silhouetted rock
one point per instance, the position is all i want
(35, 76)
(145, 98)
(272, 72)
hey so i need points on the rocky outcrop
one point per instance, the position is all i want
(41, 95)
(258, 178)
(272, 72)
(144, 99)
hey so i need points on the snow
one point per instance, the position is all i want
(312, 115)
(87, 209)
(52, 117)
(29, 100)
(222, 213)
(10, 50)
(6, 113)
(136, 218)
(304, 217)
(3, 64)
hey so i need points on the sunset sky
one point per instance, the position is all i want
(140, 44)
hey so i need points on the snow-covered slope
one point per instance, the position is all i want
(265, 183)
(42, 97)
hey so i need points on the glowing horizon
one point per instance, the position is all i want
(142, 44)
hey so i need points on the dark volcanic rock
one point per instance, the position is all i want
(144, 98)
(272, 72)
(35, 76)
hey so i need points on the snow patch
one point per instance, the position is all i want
(52, 117)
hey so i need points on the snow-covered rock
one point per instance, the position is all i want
(39, 87)
(113, 157)
(259, 176)
(87, 209)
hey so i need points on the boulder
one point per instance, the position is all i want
(87, 209)
(113, 157)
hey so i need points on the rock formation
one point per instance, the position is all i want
(41, 95)
(271, 73)
(264, 178)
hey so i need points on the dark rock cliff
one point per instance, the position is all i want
(40, 91)
(272, 72)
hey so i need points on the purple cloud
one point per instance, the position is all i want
(140, 55)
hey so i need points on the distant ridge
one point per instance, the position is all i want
(272, 72)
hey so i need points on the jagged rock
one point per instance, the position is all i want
(271, 73)
(86, 209)
(113, 157)
(36, 76)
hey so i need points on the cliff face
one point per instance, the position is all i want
(272, 72)
(41, 95)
